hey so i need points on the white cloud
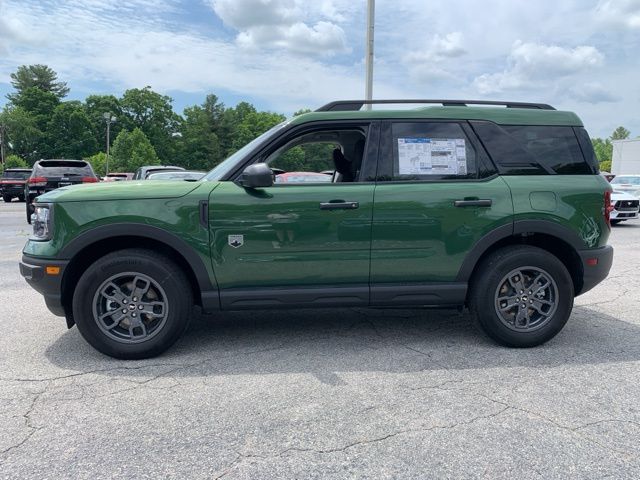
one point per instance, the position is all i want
(620, 12)
(533, 64)
(284, 24)
(591, 92)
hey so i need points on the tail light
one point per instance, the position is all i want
(608, 208)
(37, 181)
(89, 179)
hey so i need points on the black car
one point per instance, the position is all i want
(48, 175)
(12, 183)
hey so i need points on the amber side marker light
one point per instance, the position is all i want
(592, 262)
(53, 270)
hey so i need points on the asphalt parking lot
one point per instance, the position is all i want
(350, 393)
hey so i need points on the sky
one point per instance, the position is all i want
(283, 55)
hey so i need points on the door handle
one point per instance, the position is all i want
(338, 205)
(473, 203)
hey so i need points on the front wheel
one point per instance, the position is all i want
(522, 296)
(132, 304)
(7, 198)
(615, 222)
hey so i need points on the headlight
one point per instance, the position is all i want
(41, 222)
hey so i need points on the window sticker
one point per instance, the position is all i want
(432, 156)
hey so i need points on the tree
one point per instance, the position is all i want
(98, 163)
(36, 76)
(199, 145)
(132, 150)
(14, 161)
(153, 114)
(95, 107)
(69, 132)
(23, 134)
(603, 149)
(620, 133)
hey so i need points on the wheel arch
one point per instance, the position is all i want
(97, 242)
(556, 239)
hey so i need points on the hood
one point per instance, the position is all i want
(619, 195)
(144, 189)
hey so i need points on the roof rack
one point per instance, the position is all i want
(354, 105)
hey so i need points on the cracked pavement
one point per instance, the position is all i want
(343, 393)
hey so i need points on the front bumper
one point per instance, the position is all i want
(34, 271)
(596, 264)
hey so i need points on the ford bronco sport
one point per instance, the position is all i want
(494, 206)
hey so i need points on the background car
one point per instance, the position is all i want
(143, 172)
(625, 207)
(302, 177)
(627, 183)
(117, 177)
(190, 176)
(12, 183)
(48, 175)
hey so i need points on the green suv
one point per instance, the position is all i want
(494, 206)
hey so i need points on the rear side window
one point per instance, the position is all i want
(427, 151)
(533, 150)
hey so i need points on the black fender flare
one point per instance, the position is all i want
(208, 289)
(518, 227)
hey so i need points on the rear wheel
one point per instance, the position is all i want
(30, 209)
(522, 296)
(615, 222)
(21, 198)
(132, 304)
(6, 198)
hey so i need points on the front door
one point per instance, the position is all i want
(306, 239)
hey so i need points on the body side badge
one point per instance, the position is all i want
(236, 241)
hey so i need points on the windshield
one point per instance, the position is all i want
(223, 168)
(631, 180)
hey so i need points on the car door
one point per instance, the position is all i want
(437, 194)
(295, 243)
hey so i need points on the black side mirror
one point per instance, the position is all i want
(258, 175)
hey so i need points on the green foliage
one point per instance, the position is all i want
(153, 114)
(98, 163)
(69, 132)
(14, 161)
(311, 157)
(39, 77)
(26, 139)
(603, 149)
(132, 150)
(620, 133)
(95, 106)
(199, 145)
(605, 166)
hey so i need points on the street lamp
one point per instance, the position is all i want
(109, 119)
(371, 6)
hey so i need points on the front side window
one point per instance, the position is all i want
(319, 156)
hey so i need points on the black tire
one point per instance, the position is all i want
(7, 198)
(167, 280)
(29, 208)
(615, 222)
(492, 285)
(21, 198)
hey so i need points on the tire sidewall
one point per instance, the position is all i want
(165, 273)
(487, 282)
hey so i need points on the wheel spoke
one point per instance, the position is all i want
(137, 324)
(516, 281)
(539, 304)
(522, 315)
(117, 295)
(507, 303)
(154, 309)
(140, 287)
(116, 317)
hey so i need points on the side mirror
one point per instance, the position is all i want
(258, 175)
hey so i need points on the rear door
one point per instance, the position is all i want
(437, 194)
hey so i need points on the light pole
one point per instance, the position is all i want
(109, 119)
(371, 7)
(2, 134)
